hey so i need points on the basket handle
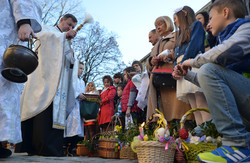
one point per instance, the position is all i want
(111, 122)
(183, 118)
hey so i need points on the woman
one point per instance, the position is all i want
(168, 103)
(107, 102)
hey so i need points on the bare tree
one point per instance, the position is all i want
(94, 46)
(99, 52)
(53, 10)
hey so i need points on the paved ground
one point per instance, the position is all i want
(23, 158)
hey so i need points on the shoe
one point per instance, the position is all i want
(225, 154)
(72, 152)
(4, 153)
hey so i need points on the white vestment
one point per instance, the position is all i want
(50, 81)
(74, 124)
(11, 11)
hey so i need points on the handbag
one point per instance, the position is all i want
(163, 78)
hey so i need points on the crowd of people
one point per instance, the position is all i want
(203, 59)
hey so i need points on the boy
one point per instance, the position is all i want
(220, 76)
(74, 124)
(138, 66)
(117, 79)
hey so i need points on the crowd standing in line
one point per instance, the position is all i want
(207, 55)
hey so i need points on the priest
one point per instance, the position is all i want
(19, 20)
(44, 98)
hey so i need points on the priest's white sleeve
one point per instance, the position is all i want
(28, 9)
(68, 51)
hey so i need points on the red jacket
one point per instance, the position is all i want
(125, 97)
(107, 105)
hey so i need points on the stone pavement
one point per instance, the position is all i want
(24, 158)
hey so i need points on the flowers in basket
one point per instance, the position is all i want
(203, 138)
(158, 132)
(206, 133)
(125, 138)
(154, 142)
(83, 148)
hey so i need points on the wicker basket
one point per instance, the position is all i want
(82, 150)
(192, 150)
(107, 146)
(127, 153)
(154, 151)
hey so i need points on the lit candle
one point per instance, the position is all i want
(141, 129)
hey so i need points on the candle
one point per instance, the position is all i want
(141, 129)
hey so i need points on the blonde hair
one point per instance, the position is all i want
(87, 87)
(168, 22)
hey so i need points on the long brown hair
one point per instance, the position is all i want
(186, 17)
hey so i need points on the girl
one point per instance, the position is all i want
(90, 124)
(91, 89)
(189, 42)
(210, 40)
(118, 107)
(107, 102)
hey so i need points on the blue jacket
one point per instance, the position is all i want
(233, 51)
(194, 46)
(234, 57)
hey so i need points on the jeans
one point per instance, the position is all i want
(228, 96)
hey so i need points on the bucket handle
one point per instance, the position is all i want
(31, 42)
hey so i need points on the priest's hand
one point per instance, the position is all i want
(70, 34)
(25, 31)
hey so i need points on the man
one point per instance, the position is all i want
(143, 84)
(44, 98)
(153, 37)
(19, 20)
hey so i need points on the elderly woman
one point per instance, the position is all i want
(171, 107)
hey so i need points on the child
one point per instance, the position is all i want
(128, 102)
(210, 40)
(91, 89)
(190, 41)
(118, 107)
(107, 103)
(74, 125)
(220, 76)
(118, 79)
(90, 124)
